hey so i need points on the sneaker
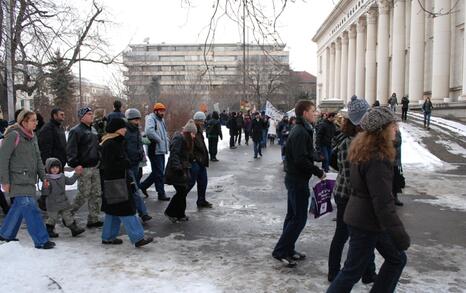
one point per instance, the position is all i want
(144, 191)
(298, 256)
(232, 147)
(144, 241)
(214, 160)
(398, 202)
(97, 224)
(146, 218)
(204, 204)
(287, 261)
(47, 245)
(115, 241)
(163, 197)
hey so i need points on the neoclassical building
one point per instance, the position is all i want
(373, 48)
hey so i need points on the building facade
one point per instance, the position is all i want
(191, 67)
(373, 48)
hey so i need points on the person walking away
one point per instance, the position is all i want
(247, 128)
(404, 108)
(56, 200)
(398, 183)
(392, 102)
(357, 108)
(135, 153)
(156, 131)
(116, 111)
(299, 167)
(370, 213)
(427, 110)
(52, 142)
(117, 200)
(239, 127)
(325, 133)
(177, 172)
(198, 171)
(20, 165)
(231, 125)
(214, 132)
(256, 134)
(283, 130)
(82, 151)
(272, 131)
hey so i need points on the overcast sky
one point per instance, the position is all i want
(171, 21)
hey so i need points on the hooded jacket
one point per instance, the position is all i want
(20, 162)
(56, 194)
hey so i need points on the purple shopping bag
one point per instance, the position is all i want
(322, 200)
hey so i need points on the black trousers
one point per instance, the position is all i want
(213, 143)
(3, 203)
(232, 139)
(404, 114)
(238, 136)
(247, 134)
(177, 206)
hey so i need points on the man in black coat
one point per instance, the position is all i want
(231, 124)
(299, 167)
(325, 133)
(256, 133)
(404, 108)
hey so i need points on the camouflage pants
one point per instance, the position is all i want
(53, 217)
(89, 189)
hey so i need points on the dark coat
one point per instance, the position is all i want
(427, 107)
(299, 152)
(231, 124)
(115, 165)
(239, 122)
(115, 114)
(82, 147)
(200, 152)
(52, 142)
(179, 162)
(214, 129)
(371, 207)
(256, 130)
(325, 133)
(405, 102)
(134, 146)
(247, 124)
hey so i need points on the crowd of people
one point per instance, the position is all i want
(106, 155)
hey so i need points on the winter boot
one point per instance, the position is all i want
(75, 230)
(50, 228)
(144, 241)
(47, 245)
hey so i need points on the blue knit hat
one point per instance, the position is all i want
(83, 111)
(356, 109)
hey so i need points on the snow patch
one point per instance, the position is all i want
(453, 126)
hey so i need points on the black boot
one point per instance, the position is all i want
(144, 241)
(397, 201)
(50, 228)
(75, 230)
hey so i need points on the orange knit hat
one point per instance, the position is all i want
(159, 106)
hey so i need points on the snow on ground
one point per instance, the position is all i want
(453, 126)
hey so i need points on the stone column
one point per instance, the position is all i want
(331, 84)
(351, 62)
(416, 52)
(441, 54)
(327, 74)
(382, 51)
(337, 68)
(360, 56)
(398, 51)
(371, 68)
(463, 92)
(344, 67)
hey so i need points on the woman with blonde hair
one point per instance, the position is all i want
(370, 213)
(20, 165)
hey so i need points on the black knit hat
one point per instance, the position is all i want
(115, 124)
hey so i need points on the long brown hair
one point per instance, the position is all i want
(372, 145)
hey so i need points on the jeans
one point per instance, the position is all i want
(257, 148)
(138, 201)
(327, 153)
(427, 119)
(338, 243)
(361, 249)
(247, 134)
(393, 107)
(199, 176)
(177, 206)
(132, 225)
(264, 138)
(404, 114)
(157, 163)
(296, 215)
(25, 207)
(213, 143)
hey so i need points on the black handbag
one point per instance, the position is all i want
(116, 191)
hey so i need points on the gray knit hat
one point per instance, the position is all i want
(356, 109)
(132, 113)
(377, 118)
(200, 116)
(190, 126)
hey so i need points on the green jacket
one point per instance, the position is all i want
(20, 162)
